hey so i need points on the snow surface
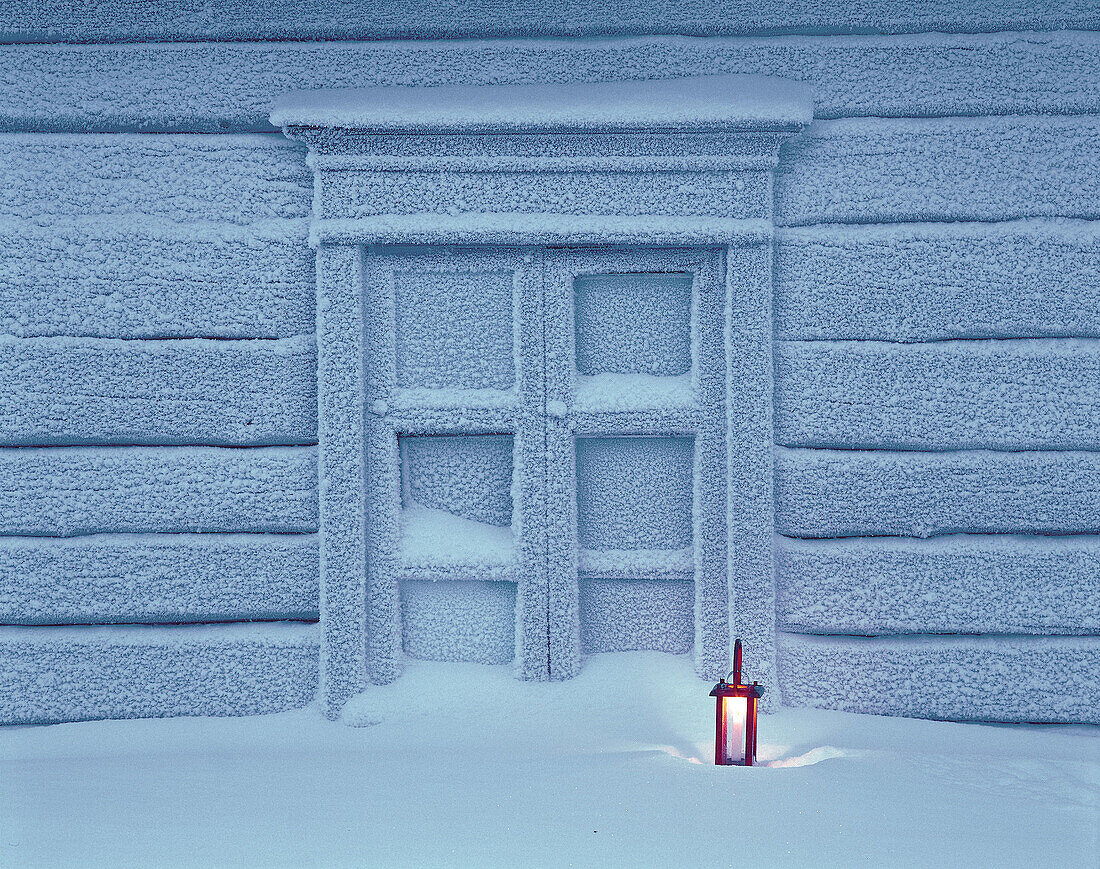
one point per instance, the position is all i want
(623, 186)
(459, 620)
(142, 276)
(993, 677)
(68, 391)
(701, 103)
(468, 767)
(618, 615)
(209, 182)
(454, 330)
(469, 476)
(633, 323)
(342, 432)
(515, 228)
(634, 563)
(238, 192)
(433, 540)
(634, 492)
(961, 583)
(64, 491)
(87, 672)
(612, 392)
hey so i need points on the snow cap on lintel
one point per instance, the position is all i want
(707, 103)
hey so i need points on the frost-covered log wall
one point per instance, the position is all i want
(936, 417)
(158, 415)
(190, 20)
(228, 87)
(948, 197)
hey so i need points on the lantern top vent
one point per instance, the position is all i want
(701, 104)
(731, 689)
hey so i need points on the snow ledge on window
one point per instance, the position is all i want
(705, 103)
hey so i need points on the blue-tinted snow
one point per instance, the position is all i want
(435, 542)
(916, 282)
(957, 583)
(454, 329)
(634, 492)
(469, 476)
(465, 764)
(459, 620)
(66, 391)
(633, 324)
(66, 491)
(619, 615)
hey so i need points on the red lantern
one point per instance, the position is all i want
(735, 722)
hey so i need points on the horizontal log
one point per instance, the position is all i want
(875, 170)
(1042, 679)
(1012, 395)
(972, 584)
(163, 20)
(198, 391)
(221, 178)
(158, 578)
(831, 493)
(66, 491)
(923, 282)
(155, 278)
(226, 86)
(78, 674)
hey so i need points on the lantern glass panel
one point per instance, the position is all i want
(736, 720)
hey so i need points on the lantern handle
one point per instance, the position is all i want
(736, 672)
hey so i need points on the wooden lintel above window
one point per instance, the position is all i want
(684, 161)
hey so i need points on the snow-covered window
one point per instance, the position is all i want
(603, 355)
(544, 361)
